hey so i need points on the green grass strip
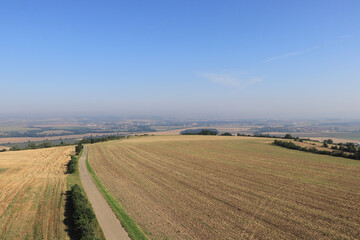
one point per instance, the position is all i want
(130, 226)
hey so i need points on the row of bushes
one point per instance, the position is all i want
(101, 139)
(292, 145)
(78, 148)
(346, 147)
(32, 145)
(83, 215)
(199, 132)
(287, 136)
(72, 165)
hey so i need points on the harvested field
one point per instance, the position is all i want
(32, 193)
(211, 187)
(4, 147)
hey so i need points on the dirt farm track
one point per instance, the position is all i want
(212, 187)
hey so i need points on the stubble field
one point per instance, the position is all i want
(32, 193)
(211, 187)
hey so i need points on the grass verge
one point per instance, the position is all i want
(130, 226)
(74, 179)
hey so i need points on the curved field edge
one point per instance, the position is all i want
(129, 225)
(71, 180)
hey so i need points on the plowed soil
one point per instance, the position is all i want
(212, 187)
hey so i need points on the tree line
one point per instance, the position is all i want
(200, 132)
(80, 209)
(92, 140)
(48, 144)
(33, 145)
(292, 145)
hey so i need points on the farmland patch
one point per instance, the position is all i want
(211, 187)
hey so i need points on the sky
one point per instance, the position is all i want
(226, 59)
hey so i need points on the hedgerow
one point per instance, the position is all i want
(292, 145)
(83, 215)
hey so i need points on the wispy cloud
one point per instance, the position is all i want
(289, 54)
(238, 81)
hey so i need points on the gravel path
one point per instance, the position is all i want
(109, 223)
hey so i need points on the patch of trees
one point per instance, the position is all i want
(261, 135)
(243, 135)
(30, 133)
(72, 165)
(276, 129)
(200, 132)
(329, 141)
(288, 136)
(83, 215)
(141, 128)
(292, 145)
(15, 148)
(33, 145)
(226, 134)
(346, 147)
(45, 144)
(78, 148)
(101, 139)
(39, 132)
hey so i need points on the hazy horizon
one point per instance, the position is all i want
(197, 59)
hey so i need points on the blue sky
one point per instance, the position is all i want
(209, 59)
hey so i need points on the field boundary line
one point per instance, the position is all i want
(135, 233)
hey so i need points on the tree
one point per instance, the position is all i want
(351, 147)
(32, 145)
(15, 148)
(45, 144)
(325, 144)
(330, 141)
(78, 148)
(288, 136)
(226, 134)
(357, 155)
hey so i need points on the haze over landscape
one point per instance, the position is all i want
(164, 119)
(204, 59)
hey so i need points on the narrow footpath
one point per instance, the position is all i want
(108, 222)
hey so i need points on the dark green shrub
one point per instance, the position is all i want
(72, 165)
(288, 136)
(15, 148)
(83, 215)
(226, 134)
(78, 148)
